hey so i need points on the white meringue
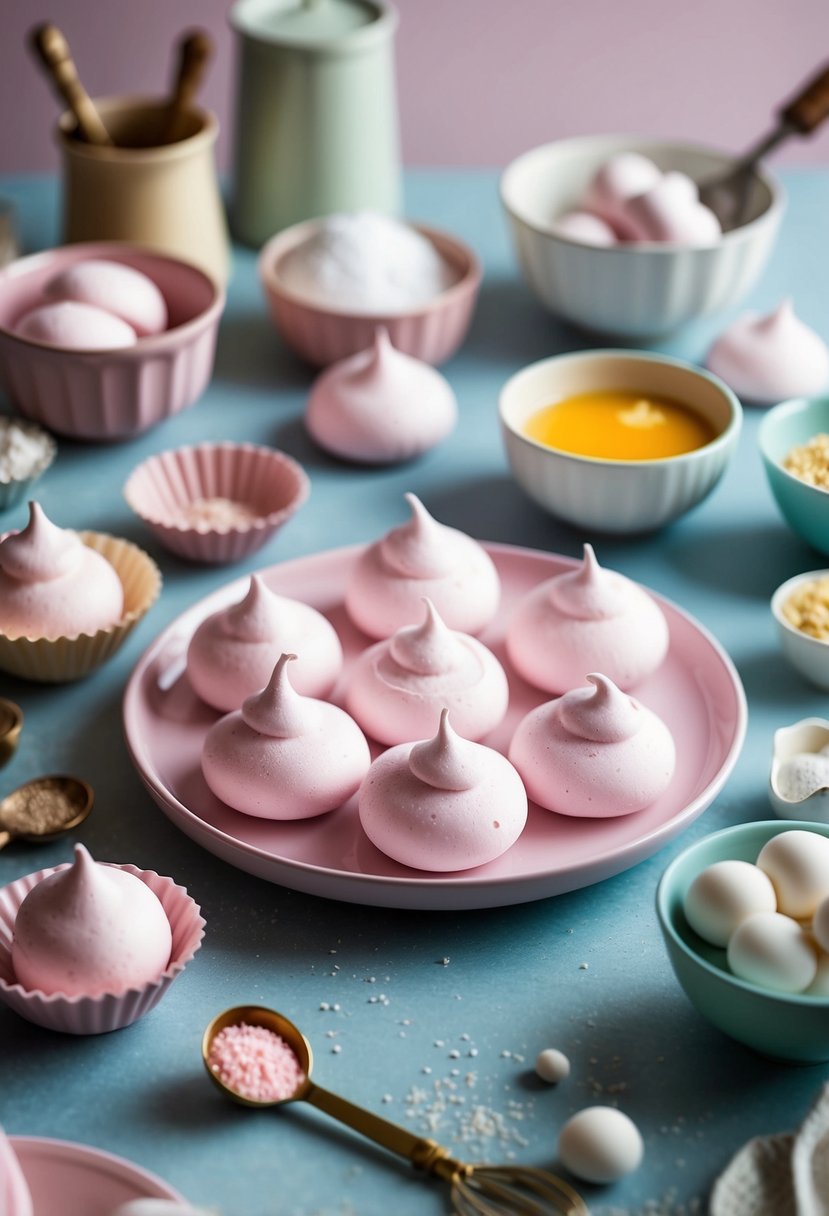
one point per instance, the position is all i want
(584, 226)
(767, 359)
(380, 406)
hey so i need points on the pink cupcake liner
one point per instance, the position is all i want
(321, 336)
(109, 1010)
(265, 480)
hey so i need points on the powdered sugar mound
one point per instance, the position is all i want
(24, 450)
(365, 262)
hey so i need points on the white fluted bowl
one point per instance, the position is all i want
(630, 290)
(622, 496)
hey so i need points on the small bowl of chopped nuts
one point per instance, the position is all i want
(794, 444)
(800, 608)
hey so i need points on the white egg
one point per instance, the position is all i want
(600, 1144)
(802, 775)
(621, 177)
(584, 226)
(820, 984)
(670, 211)
(552, 1065)
(121, 290)
(797, 862)
(773, 951)
(724, 894)
(73, 326)
(820, 924)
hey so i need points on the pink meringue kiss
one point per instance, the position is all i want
(593, 753)
(284, 756)
(670, 212)
(587, 619)
(72, 326)
(417, 559)
(15, 1196)
(90, 929)
(232, 652)
(442, 804)
(380, 406)
(767, 359)
(586, 227)
(53, 585)
(397, 688)
(620, 178)
(115, 288)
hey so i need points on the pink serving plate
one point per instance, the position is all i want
(68, 1179)
(696, 691)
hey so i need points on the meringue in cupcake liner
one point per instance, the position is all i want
(106, 1011)
(59, 660)
(216, 502)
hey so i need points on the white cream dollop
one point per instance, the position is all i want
(232, 652)
(284, 756)
(397, 688)
(587, 619)
(769, 358)
(443, 803)
(53, 585)
(422, 557)
(380, 406)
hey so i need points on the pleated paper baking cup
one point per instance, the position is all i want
(216, 502)
(108, 1010)
(59, 660)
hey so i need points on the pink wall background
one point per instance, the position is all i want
(479, 80)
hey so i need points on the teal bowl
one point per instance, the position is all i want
(805, 508)
(781, 1025)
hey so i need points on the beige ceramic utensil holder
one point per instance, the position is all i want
(163, 196)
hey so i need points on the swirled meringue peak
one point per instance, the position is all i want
(53, 585)
(89, 929)
(766, 359)
(444, 803)
(586, 619)
(422, 558)
(398, 687)
(380, 406)
(15, 1197)
(593, 753)
(232, 652)
(284, 756)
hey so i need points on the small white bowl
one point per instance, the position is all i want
(807, 736)
(809, 656)
(622, 496)
(108, 1010)
(630, 290)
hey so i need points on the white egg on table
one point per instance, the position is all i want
(600, 1144)
(724, 894)
(773, 951)
(797, 862)
(552, 1065)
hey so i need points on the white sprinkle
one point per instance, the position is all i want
(336, 1049)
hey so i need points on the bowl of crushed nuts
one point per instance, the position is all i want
(800, 608)
(794, 444)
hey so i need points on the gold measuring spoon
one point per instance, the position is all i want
(44, 808)
(11, 724)
(477, 1190)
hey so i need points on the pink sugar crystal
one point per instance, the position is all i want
(255, 1063)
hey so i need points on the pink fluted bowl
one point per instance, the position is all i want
(109, 1010)
(432, 332)
(109, 394)
(268, 483)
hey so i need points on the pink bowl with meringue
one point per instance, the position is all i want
(116, 393)
(217, 502)
(108, 1010)
(431, 332)
(636, 289)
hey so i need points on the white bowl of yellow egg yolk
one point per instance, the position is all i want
(617, 441)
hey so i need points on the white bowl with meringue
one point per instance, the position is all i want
(624, 496)
(618, 248)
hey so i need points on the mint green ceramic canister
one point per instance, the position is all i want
(316, 114)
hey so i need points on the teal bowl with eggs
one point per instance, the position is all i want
(805, 508)
(782, 1025)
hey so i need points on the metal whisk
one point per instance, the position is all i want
(476, 1190)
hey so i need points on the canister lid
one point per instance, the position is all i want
(324, 26)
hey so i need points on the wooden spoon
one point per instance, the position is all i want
(194, 52)
(53, 50)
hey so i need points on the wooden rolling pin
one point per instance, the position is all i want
(194, 52)
(53, 51)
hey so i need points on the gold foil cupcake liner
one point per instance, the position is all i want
(60, 660)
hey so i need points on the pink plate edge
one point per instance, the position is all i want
(99, 1162)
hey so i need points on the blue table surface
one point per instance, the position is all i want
(586, 972)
